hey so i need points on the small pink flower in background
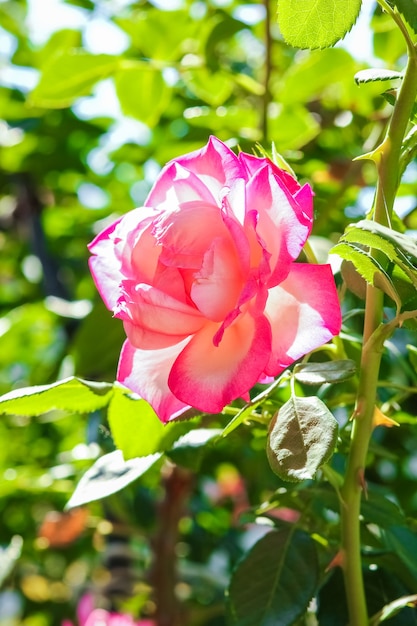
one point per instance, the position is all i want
(203, 277)
(89, 616)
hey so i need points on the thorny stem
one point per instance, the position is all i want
(387, 158)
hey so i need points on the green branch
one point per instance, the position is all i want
(387, 158)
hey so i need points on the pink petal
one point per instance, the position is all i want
(114, 254)
(283, 224)
(177, 184)
(186, 234)
(168, 320)
(253, 164)
(209, 377)
(218, 284)
(135, 247)
(105, 267)
(146, 372)
(304, 313)
(215, 164)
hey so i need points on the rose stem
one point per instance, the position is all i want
(387, 158)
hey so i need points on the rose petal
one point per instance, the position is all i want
(215, 164)
(116, 255)
(144, 308)
(304, 313)
(105, 267)
(283, 224)
(209, 377)
(219, 282)
(253, 164)
(186, 234)
(177, 184)
(146, 372)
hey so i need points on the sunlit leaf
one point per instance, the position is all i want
(70, 75)
(379, 74)
(136, 429)
(109, 474)
(316, 23)
(143, 93)
(275, 580)
(211, 87)
(369, 268)
(188, 450)
(301, 438)
(71, 394)
(329, 372)
(392, 240)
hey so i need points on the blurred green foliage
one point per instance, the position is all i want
(71, 161)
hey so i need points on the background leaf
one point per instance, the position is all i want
(143, 93)
(275, 581)
(316, 23)
(69, 75)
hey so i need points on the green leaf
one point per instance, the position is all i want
(408, 9)
(367, 267)
(143, 93)
(397, 240)
(329, 372)
(293, 127)
(399, 248)
(316, 23)
(188, 450)
(70, 75)
(409, 148)
(378, 509)
(211, 87)
(275, 581)
(403, 543)
(109, 474)
(72, 394)
(379, 74)
(238, 419)
(136, 429)
(301, 438)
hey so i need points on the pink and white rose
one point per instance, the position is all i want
(205, 280)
